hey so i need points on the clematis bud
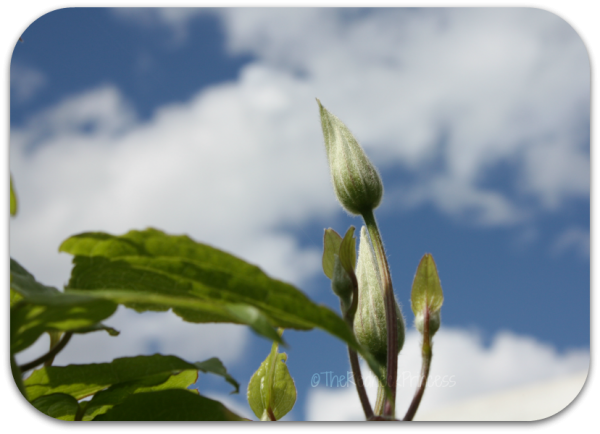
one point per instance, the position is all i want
(427, 296)
(356, 182)
(369, 322)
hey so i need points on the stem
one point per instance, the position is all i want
(360, 386)
(390, 311)
(426, 355)
(54, 340)
(379, 404)
(49, 355)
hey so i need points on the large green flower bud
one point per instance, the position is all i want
(369, 322)
(356, 182)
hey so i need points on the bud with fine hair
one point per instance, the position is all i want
(427, 296)
(369, 322)
(356, 182)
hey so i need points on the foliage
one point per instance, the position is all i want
(149, 270)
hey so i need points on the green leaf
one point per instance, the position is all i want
(176, 270)
(426, 289)
(58, 405)
(116, 394)
(33, 316)
(272, 387)
(348, 251)
(84, 380)
(331, 246)
(215, 366)
(25, 284)
(169, 405)
(37, 308)
(13, 198)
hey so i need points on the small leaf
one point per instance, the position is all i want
(331, 246)
(215, 366)
(169, 405)
(427, 296)
(348, 251)
(57, 405)
(272, 387)
(426, 290)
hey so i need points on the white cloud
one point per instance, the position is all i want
(462, 368)
(461, 89)
(149, 333)
(25, 82)
(574, 238)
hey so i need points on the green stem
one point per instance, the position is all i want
(379, 404)
(349, 317)
(49, 355)
(390, 311)
(426, 354)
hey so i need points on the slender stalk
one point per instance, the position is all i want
(380, 403)
(54, 340)
(390, 311)
(360, 385)
(49, 355)
(426, 355)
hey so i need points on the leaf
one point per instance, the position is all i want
(426, 289)
(37, 308)
(331, 246)
(116, 394)
(13, 199)
(272, 387)
(33, 316)
(215, 366)
(23, 282)
(348, 251)
(169, 267)
(84, 380)
(58, 405)
(169, 405)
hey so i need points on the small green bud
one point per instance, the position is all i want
(339, 262)
(427, 296)
(341, 283)
(356, 182)
(369, 323)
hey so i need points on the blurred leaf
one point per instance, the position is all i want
(16, 373)
(116, 394)
(25, 284)
(84, 380)
(169, 405)
(13, 199)
(331, 246)
(57, 405)
(215, 366)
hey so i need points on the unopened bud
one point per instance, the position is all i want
(370, 322)
(356, 182)
(427, 296)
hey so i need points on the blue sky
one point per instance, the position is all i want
(204, 122)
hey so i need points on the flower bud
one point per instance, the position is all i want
(427, 296)
(341, 283)
(356, 182)
(370, 323)
(339, 262)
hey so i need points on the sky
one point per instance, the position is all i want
(204, 122)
